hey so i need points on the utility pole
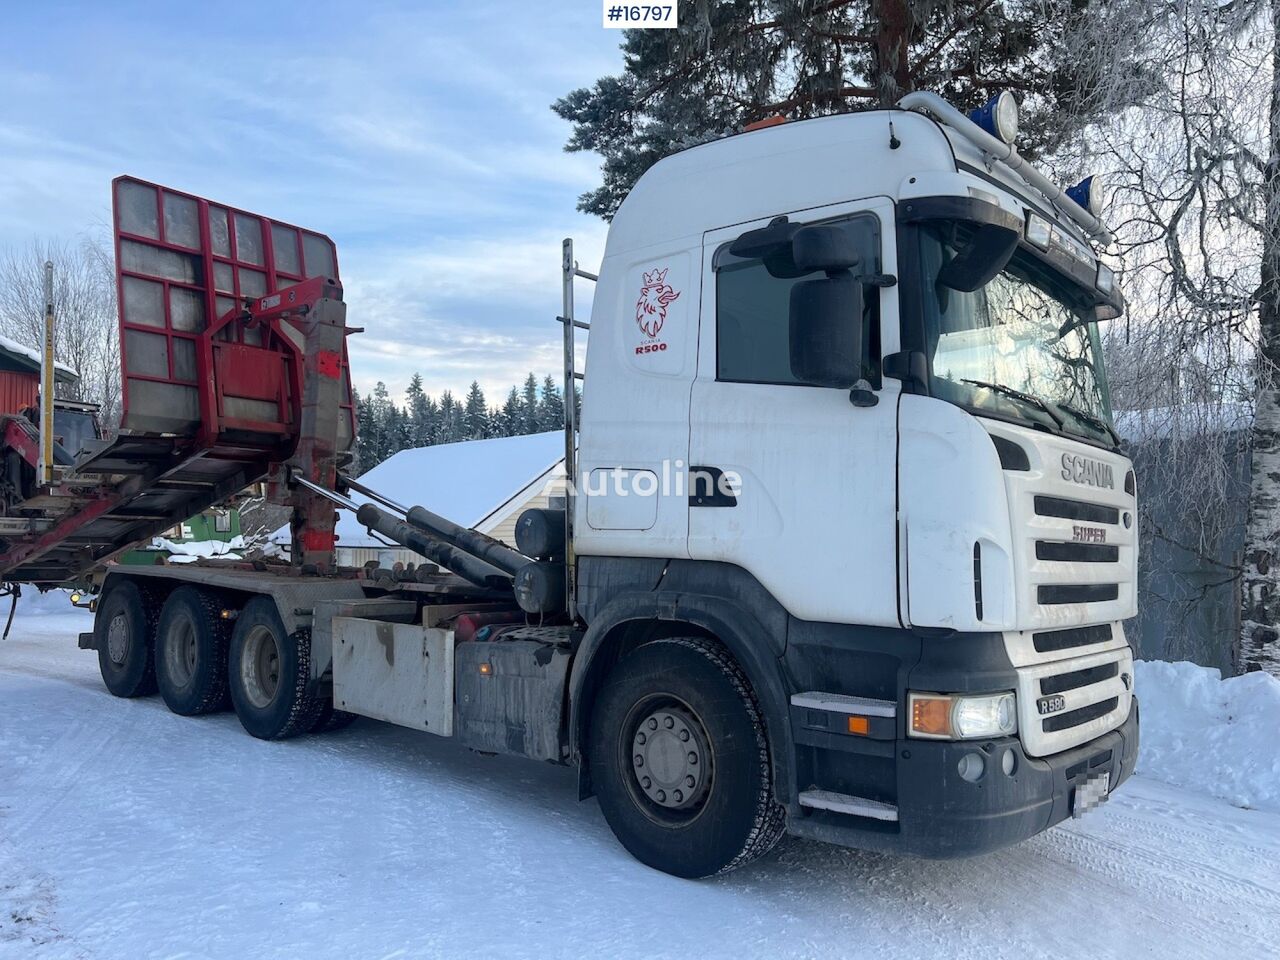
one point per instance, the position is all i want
(46, 382)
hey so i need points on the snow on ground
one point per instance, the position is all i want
(127, 832)
(1212, 735)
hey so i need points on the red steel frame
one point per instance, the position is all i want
(213, 421)
(281, 358)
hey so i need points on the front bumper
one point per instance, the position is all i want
(942, 816)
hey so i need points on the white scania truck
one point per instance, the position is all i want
(850, 541)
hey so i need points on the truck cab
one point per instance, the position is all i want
(846, 412)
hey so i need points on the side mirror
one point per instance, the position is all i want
(988, 252)
(824, 247)
(765, 242)
(825, 330)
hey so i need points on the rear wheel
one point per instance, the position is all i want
(124, 630)
(268, 671)
(680, 762)
(191, 652)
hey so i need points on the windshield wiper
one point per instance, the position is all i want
(1091, 419)
(1019, 395)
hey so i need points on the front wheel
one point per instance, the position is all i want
(680, 761)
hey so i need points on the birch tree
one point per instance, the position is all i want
(1260, 614)
(1195, 212)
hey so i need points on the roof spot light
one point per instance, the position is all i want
(1088, 193)
(999, 117)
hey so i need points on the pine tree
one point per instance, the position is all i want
(420, 412)
(511, 416)
(529, 407)
(550, 406)
(475, 417)
(732, 62)
(365, 431)
(450, 429)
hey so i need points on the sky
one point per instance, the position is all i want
(418, 135)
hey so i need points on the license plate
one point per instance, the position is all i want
(1090, 793)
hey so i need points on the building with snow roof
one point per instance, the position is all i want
(20, 376)
(483, 484)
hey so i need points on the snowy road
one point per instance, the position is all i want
(127, 832)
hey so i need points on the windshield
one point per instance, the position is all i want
(1025, 345)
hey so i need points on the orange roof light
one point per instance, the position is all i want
(766, 122)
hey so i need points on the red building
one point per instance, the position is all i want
(20, 376)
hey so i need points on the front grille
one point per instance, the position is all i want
(1078, 678)
(1054, 640)
(1077, 552)
(1073, 718)
(1076, 510)
(1077, 592)
(1090, 693)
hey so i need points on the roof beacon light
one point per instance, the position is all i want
(999, 117)
(1088, 193)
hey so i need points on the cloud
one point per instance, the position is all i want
(479, 308)
(420, 138)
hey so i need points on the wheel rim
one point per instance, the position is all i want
(670, 759)
(260, 667)
(118, 638)
(181, 651)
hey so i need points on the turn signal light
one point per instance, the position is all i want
(859, 725)
(486, 669)
(931, 716)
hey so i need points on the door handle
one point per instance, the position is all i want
(708, 487)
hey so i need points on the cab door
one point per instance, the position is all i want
(806, 500)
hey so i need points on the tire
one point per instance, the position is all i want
(124, 633)
(331, 719)
(688, 819)
(267, 672)
(191, 653)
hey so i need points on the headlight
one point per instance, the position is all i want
(938, 716)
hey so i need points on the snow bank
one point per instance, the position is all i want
(1211, 735)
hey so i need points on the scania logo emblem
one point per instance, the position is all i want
(1086, 470)
(655, 295)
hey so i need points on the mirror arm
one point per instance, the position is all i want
(879, 280)
(862, 395)
(909, 366)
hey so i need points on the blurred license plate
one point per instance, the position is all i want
(1090, 793)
